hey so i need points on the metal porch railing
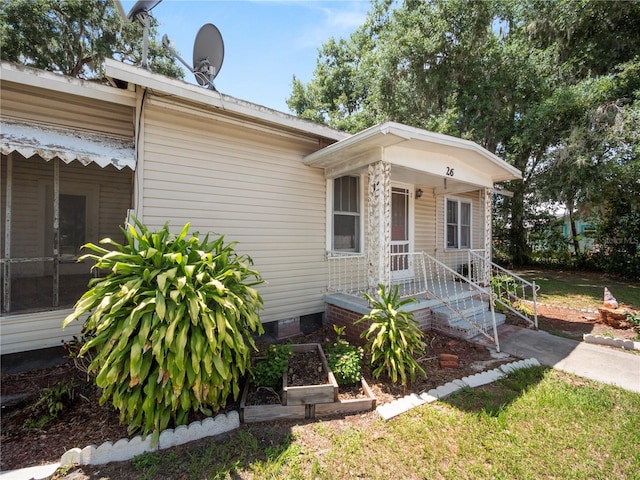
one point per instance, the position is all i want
(348, 273)
(511, 292)
(417, 274)
(461, 295)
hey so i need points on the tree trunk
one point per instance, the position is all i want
(574, 232)
(518, 236)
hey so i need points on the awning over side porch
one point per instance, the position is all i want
(417, 156)
(50, 142)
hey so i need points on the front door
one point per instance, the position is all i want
(401, 232)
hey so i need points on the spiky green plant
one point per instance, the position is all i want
(394, 338)
(171, 324)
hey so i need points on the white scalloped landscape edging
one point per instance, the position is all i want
(623, 343)
(401, 405)
(125, 449)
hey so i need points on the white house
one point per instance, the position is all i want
(324, 214)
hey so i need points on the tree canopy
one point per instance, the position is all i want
(551, 87)
(73, 37)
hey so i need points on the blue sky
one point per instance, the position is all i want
(267, 42)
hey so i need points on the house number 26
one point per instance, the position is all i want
(449, 172)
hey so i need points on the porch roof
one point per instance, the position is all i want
(67, 145)
(421, 157)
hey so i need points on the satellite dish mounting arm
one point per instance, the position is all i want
(140, 13)
(167, 45)
(204, 71)
(145, 20)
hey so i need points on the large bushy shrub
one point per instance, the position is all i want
(170, 324)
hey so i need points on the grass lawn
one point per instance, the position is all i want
(581, 289)
(535, 424)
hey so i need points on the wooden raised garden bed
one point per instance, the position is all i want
(310, 394)
(307, 400)
(351, 405)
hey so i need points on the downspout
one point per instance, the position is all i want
(138, 174)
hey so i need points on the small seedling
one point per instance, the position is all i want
(51, 403)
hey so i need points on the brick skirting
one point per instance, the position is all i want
(343, 317)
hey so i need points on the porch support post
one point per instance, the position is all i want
(488, 235)
(56, 231)
(6, 266)
(379, 225)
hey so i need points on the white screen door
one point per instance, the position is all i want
(401, 232)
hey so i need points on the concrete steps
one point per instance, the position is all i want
(476, 317)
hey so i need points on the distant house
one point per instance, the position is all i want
(583, 229)
(324, 214)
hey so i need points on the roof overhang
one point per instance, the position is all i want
(33, 77)
(419, 155)
(67, 145)
(213, 99)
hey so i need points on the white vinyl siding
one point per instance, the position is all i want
(64, 110)
(248, 185)
(425, 223)
(21, 333)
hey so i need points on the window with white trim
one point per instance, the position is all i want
(458, 223)
(346, 214)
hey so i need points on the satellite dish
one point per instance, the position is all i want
(208, 54)
(140, 13)
(142, 7)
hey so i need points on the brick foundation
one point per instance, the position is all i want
(288, 328)
(346, 318)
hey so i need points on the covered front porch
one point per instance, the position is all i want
(59, 190)
(412, 209)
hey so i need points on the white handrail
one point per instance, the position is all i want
(523, 284)
(447, 298)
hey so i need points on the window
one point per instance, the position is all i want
(458, 224)
(346, 214)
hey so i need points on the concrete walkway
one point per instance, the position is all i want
(606, 365)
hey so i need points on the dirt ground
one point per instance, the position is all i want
(574, 324)
(83, 422)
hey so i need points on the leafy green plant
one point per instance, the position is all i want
(268, 371)
(502, 286)
(634, 318)
(524, 309)
(171, 324)
(394, 337)
(344, 359)
(50, 404)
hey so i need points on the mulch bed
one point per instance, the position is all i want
(84, 422)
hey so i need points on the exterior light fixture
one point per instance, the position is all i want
(419, 193)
